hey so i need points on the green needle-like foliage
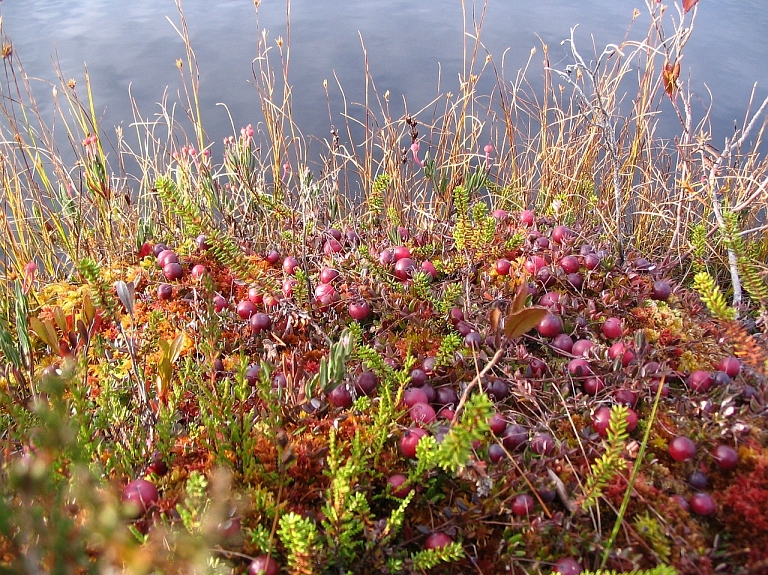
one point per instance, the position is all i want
(711, 295)
(612, 462)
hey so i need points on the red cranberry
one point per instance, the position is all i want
(340, 396)
(542, 444)
(514, 436)
(139, 495)
(245, 309)
(332, 246)
(582, 347)
(387, 257)
(414, 395)
(263, 565)
(437, 541)
(561, 234)
(422, 414)
(164, 291)
(579, 368)
(497, 423)
(611, 328)
(327, 275)
(401, 252)
(430, 269)
(496, 453)
(173, 271)
(661, 290)
(702, 504)
(682, 448)
(570, 264)
(502, 267)
(625, 397)
(410, 439)
(260, 322)
(219, 303)
(567, 566)
(550, 326)
(446, 396)
(591, 261)
(699, 381)
(593, 385)
(522, 504)
(730, 365)
(396, 482)
(404, 269)
(526, 218)
(290, 264)
(726, 457)
(366, 383)
(562, 342)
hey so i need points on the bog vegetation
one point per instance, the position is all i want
(511, 332)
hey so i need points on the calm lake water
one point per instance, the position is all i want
(409, 43)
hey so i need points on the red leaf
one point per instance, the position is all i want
(688, 4)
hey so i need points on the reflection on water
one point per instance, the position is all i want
(411, 46)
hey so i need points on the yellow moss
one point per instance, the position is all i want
(651, 335)
(64, 295)
(664, 317)
(689, 362)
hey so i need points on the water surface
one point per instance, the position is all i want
(410, 45)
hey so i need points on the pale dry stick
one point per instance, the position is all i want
(729, 149)
(476, 380)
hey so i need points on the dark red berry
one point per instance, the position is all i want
(682, 448)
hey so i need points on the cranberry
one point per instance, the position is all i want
(726, 457)
(562, 342)
(702, 504)
(682, 448)
(263, 565)
(173, 271)
(497, 423)
(611, 328)
(661, 290)
(410, 439)
(164, 291)
(401, 252)
(567, 566)
(730, 365)
(260, 322)
(570, 264)
(526, 218)
(446, 396)
(396, 482)
(366, 383)
(340, 396)
(550, 326)
(139, 495)
(561, 234)
(514, 436)
(496, 453)
(542, 444)
(422, 414)
(245, 309)
(502, 267)
(593, 385)
(699, 381)
(437, 541)
(290, 264)
(359, 310)
(522, 504)
(404, 269)
(414, 395)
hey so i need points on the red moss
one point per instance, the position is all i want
(744, 510)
